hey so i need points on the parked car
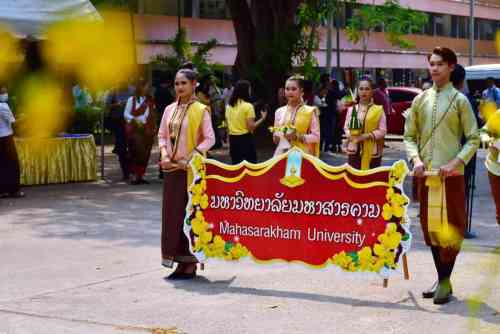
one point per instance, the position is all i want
(475, 77)
(401, 99)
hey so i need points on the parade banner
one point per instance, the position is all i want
(296, 208)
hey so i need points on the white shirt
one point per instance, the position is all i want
(6, 120)
(127, 114)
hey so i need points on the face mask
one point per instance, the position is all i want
(4, 97)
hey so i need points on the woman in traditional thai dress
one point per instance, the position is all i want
(240, 118)
(140, 131)
(296, 124)
(365, 128)
(185, 129)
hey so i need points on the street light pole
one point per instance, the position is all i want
(329, 44)
(471, 33)
(337, 68)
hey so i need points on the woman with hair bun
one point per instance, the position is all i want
(185, 129)
(296, 124)
(365, 128)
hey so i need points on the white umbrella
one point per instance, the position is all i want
(30, 17)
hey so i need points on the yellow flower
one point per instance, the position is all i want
(387, 211)
(365, 258)
(342, 260)
(11, 55)
(203, 185)
(219, 243)
(206, 237)
(198, 162)
(42, 105)
(493, 125)
(199, 226)
(90, 48)
(487, 109)
(197, 189)
(398, 171)
(390, 241)
(201, 200)
(389, 194)
(204, 202)
(377, 265)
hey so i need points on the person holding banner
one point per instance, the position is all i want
(296, 124)
(437, 120)
(240, 118)
(185, 129)
(365, 128)
(140, 129)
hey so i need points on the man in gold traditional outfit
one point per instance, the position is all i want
(438, 119)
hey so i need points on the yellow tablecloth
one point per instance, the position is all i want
(57, 160)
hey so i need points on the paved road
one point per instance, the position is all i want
(85, 258)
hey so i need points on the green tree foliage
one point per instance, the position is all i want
(310, 15)
(182, 52)
(396, 21)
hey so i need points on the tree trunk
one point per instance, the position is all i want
(265, 32)
(365, 48)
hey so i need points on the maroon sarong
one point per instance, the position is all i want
(174, 244)
(455, 203)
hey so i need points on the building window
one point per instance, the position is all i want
(487, 29)
(442, 25)
(429, 27)
(213, 9)
(463, 27)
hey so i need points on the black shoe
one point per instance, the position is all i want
(431, 291)
(142, 181)
(180, 276)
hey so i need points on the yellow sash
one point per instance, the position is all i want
(371, 122)
(195, 117)
(302, 126)
(441, 233)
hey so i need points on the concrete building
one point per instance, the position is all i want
(448, 25)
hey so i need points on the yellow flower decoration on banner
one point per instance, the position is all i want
(398, 173)
(205, 241)
(382, 255)
(395, 206)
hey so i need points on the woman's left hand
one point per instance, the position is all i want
(291, 136)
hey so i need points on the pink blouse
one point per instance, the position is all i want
(378, 133)
(310, 138)
(182, 152)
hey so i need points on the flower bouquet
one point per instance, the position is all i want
(281, 132)
(491, 132)
(355, 130)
